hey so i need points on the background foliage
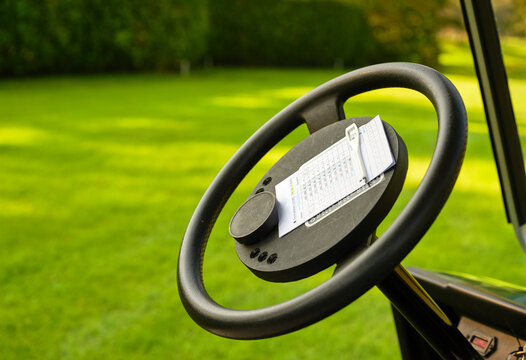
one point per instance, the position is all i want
(275, 32)
(99, 35)
(405, 29)
(67, 36)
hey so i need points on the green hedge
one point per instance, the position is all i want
(406, 30)
(65, 36)
(320, 32)
(277, 32)
(99, 35)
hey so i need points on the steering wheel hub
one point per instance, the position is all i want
(318, 244)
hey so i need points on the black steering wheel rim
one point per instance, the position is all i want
(370, 266)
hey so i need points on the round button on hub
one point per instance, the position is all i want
(255, 218)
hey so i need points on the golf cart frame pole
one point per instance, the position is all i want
(481, 27)
(413, 303)
(416, 314)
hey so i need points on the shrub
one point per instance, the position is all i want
(64, 36)
(406, 30)
(274, 32)
(318, 32)
(99, 35)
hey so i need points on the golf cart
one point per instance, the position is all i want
(437, 316)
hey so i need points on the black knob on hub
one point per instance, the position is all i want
(255, 218)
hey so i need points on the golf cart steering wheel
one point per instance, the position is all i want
(320, 107)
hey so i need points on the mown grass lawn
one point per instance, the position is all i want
(99, 176)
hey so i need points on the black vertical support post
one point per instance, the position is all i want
(419, 309)
(412, 344)
(487, 55)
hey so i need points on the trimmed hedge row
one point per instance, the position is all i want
(274, 32)
(406, 29)
(322, 32)
(99, 35)
(65, 36)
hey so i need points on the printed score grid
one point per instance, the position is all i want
(332, 175)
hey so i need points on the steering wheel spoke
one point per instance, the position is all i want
(324, 113)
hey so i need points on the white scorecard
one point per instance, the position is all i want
(360, 156)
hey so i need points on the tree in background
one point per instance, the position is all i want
(318, 32)
(63, 36)
(405, 29)
(509, 15)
